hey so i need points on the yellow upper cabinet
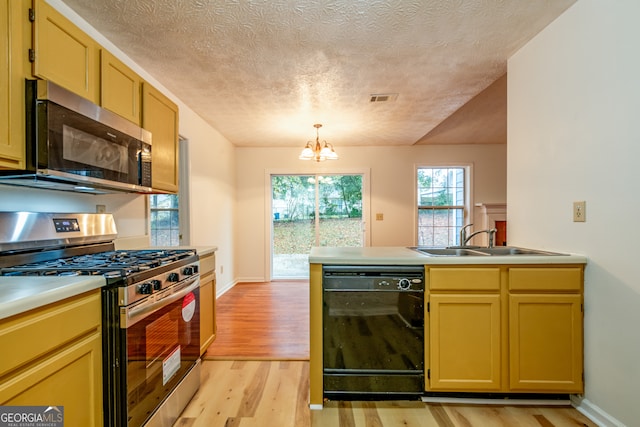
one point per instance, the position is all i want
(120, 87)
(15, 38)
(64, 54)
(5, 140)
(160, 117)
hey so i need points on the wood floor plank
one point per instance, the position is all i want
(345, 414)
(253, 391)
(440, 415)
(405, 414)
(303, 416)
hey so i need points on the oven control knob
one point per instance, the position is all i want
(404, 284)
(144, 288)
(173, 277)
(156, 284)
(189, 271)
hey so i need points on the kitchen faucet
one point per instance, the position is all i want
(491, 232)
(463, 234)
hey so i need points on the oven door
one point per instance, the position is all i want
(162, 343)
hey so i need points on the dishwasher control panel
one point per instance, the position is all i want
(378, 278)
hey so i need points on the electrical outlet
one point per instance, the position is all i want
(579, 211)
(379, 217)
(101, 209)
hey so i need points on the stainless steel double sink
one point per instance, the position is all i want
(482, 251)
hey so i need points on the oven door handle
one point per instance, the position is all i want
(134, 314)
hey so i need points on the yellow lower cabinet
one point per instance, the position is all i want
(545, 342)
(207, 311)
(52, 356)
(464, 342)
(70, 379)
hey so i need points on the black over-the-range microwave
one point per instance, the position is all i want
(75, 145)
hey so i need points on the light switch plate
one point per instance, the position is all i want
(379, 217)
(579, 211)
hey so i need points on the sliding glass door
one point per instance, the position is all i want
(312, 210)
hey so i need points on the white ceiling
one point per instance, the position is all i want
(262, 72)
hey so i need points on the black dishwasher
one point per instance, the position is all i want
(373, 331)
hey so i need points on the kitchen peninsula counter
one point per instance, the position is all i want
(395, 255)
(472, 283)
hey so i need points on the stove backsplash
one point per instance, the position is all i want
(25, 231)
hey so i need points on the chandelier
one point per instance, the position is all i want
(315, 151)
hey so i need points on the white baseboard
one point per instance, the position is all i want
(594, 413)
(221, 290)
(486, 401)
(251, 280)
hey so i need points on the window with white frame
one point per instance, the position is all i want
(164, 224)
(442, 197)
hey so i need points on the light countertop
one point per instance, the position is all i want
(21, 294)
(204, 250)
(395, 255)
(200, 250)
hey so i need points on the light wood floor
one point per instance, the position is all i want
(268, 392)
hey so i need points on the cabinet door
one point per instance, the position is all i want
(545, 343)
(464, 342)
(119, 87)
(14, 40)
(5, 65)
(70, 378)
(160, 117)
(207, 312)
(64, 54)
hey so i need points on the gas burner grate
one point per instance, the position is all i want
(120, 263)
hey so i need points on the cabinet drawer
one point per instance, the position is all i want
(446, 279)
(37, 332)
(207, 263)
(545, 279)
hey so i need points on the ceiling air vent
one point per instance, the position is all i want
(383, 97)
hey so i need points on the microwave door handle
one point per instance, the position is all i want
(135, 314)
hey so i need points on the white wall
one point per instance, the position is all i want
(573, 134)
(211, 176)
(212, 193)
(392, 190)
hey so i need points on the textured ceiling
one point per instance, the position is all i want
(262, 72)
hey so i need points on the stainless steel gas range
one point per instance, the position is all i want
(150, 308)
